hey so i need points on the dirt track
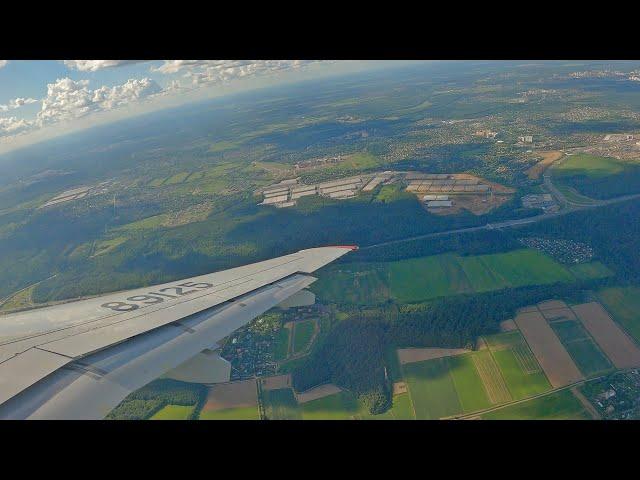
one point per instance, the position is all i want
(277, 382)
(412, 355)
(317, 392)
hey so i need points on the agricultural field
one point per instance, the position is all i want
(584, 351)
(340, 406)
(561, 405)
(557, 364)
(21, 299)
(518, 366)
(475, 381)
(232, 401)
(433, 393)
(303, 333)
(591, 270)
(105, 246)
(619, 347)
(240, 413)
(624, 305)
(281, 346)
(425, 278)
(281, 404)
(588, 165)
(470, 373)
(596, 177)
(174, 412)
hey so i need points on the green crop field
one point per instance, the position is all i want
(480, 276)
(588, 357)
(363, 284)
(471, 391)
(281, 404)
(174, 412)
(569, 330)
(281, 347)
(242, 413)
(591, 270)
(402, 408)
(341, 406)
(302, 334)
(506, 339)
(428, 277)
(562, 405)
(433, 393)
(584, 351)
(425, 278)
(624, 305)
(526, 267)
(177, 178)
(518, 365)
(589, 165)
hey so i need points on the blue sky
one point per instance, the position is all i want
(41, 99)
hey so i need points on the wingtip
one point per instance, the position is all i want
(350, 247)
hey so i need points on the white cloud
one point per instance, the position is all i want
(95, 65)
(68, 99)
(17, 103)
(3, 63)
(201, 72)
(13, 125)
(131, 91)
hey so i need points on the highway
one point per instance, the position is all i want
(566, 208)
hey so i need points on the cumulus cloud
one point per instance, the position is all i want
(222, 71)
(13, 125)
(131, 91)
(17, 103)
(68, 99)
(3, 63)
(95, 65)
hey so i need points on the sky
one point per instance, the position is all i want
(42, 99)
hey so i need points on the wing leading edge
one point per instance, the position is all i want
(84, 363)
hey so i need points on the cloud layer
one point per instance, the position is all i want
(204, 72)
(17, 103)
(13, 125)
(68, 99)
(95, 65)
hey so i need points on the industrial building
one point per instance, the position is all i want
(543, 201)
(445, 184)
(439, 203)
(429, 198)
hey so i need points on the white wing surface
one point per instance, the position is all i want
(79, 360)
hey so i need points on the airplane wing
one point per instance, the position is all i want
(80, 359)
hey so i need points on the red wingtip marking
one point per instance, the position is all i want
(350, 247)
